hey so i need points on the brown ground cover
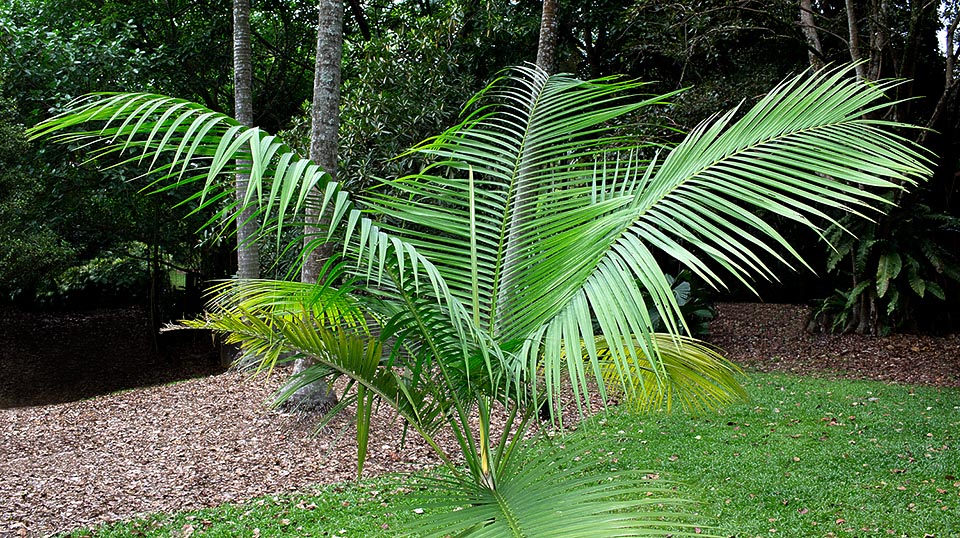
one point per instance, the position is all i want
(771, 337)
(210, 439)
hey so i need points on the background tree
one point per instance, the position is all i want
(325, 123)
(324, 127)
(547, 45)
(107, 244)
(899, 266)
(248, 253)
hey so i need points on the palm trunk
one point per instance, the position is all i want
(323, 151)
(325, 120)
(248, 255)
(951, 44)
(853, 40)
(547, 46)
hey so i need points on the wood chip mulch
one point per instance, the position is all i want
(772, 337)
(210, 440)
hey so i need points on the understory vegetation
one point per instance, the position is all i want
(805, 456)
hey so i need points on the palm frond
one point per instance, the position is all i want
(184, 143)
(592, 217)
(695, 376)
(269, 329)
(536, 135)
(553, 489)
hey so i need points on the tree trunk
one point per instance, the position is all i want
(325, 121)
(323, 151)
(853, 40)
(357, 11)
(547, 47)
(809, 26)
(878, 40)
(951, 44)
(248, 252)
(248, 255)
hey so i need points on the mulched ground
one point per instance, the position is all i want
(209, 440)
(771, 337)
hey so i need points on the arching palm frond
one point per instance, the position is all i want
(540, 234)
(551, 490)
(184, 143)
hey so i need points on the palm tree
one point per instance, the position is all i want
(524, 258)
(248, 251)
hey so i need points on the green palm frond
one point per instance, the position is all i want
(804, 148)
(536, 142)
(696, 376)
(550, 489)
(538, 233)
(184, 143)
(268, 328)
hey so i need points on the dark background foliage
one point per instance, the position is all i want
(75, 235)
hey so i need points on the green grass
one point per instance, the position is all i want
(805, 457)
(811, 457)
(369, 508)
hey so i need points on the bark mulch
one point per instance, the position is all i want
(772, 337)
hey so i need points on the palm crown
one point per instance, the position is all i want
(525, 257)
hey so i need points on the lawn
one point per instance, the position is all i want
(806, 456)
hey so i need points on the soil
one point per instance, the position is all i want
(74, 452)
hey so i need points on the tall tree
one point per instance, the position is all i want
(547, 45)
(324, 127)
(809, 26)
(325, 123)
(853, 39)
(895, 264)
(248, 254)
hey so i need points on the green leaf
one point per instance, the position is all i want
(936, 290)
(554, 488)
(888, 268)
(917, 284)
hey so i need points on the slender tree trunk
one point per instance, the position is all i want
(853, 40)
(248, 252)
(323, 151)
(325, 120)
(951, 44)
(248, 255)
(878, 40)
(357, 11)
(809, 26)
(547, 46)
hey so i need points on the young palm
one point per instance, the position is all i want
(524, 258)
